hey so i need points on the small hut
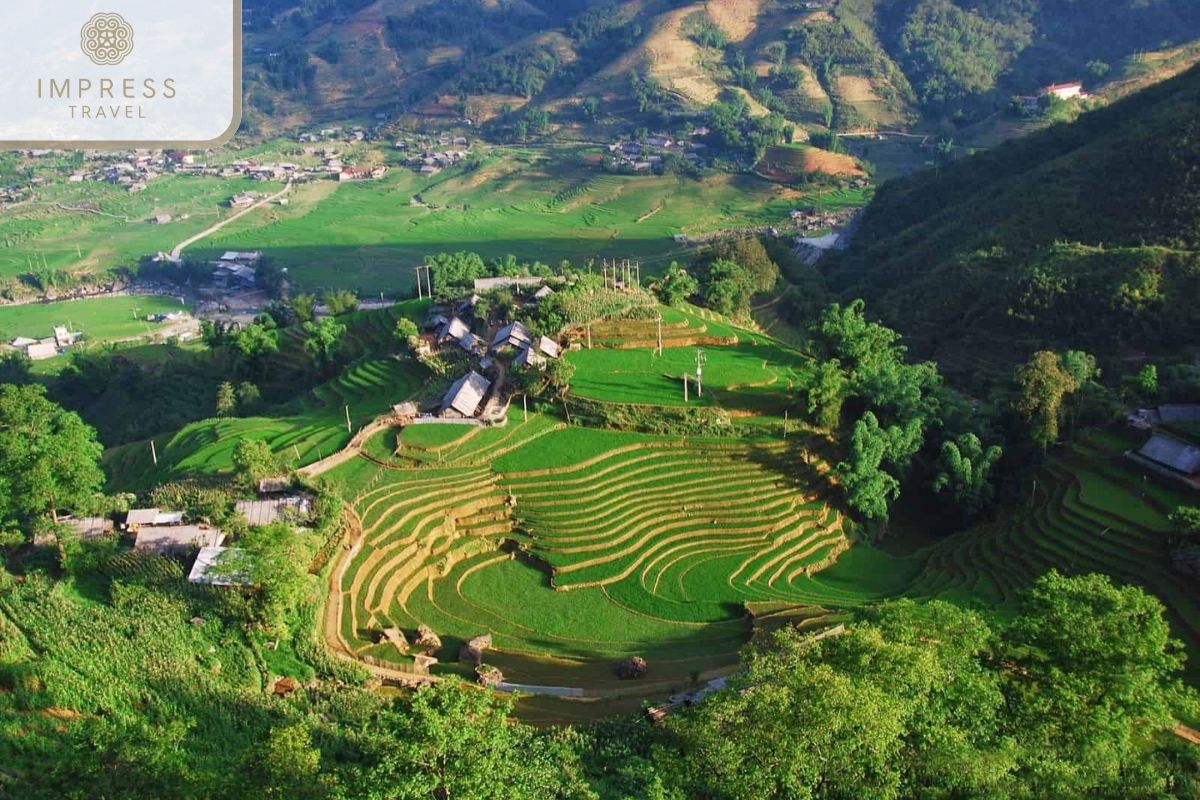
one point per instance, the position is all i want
(632, 667)
(489, 676)
(427, 640)
(397, 638)
(472, 651)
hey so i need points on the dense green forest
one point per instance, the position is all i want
(1081, 235)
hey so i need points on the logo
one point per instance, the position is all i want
(107, 39)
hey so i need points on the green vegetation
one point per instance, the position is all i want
(1072, 237)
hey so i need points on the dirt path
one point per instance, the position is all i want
(186, 243)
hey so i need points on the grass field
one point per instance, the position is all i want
(753, 373)
(101, 319)
(544, 205)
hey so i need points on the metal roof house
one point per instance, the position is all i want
(175, 539)
(512, 335)
(1171, 453)
(291, 508)
(465, 396)
(454, 329)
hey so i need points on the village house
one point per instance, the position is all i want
(465, 396)
(64, 337)
(512, 335)
(234, 276)
(452, 330)
(88, 527)
(1170, 457)
(543, 293)
(41, 350)
(295, 509)
(362, 173)
(168, 540)
(1064, 91)
(241, 200)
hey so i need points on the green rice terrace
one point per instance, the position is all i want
(575, 547)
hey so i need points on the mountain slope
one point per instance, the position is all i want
(1079, 235)
(846, 64)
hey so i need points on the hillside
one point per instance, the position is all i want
(845, 64)
(1081, 235)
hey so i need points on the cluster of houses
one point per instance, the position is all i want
(429, 155)
(46, 347)
(234, 271)
(809, 218)
(1166, 454)
(650, 153)
(472, 395)
(162, 532)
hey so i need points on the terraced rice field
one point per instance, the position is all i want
(1091, 513)
(575, 548)
(316, 429)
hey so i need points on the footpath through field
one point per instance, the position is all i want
(186, 243)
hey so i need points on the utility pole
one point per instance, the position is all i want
(685, 388)
(153, 453)
(701, 358)
(525, 406)
(785, 423)
(348, 420)
(660, 334)
(589, 334)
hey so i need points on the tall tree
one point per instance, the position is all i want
(964, 468)
(49, 458)
(322, 340)
(1042, 383)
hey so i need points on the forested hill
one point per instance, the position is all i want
(1083, 235)
(846, 64)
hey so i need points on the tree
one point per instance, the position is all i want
(284, 766)
(304, 306)
(869, 488)
(1042, 384)
(253, 461)
(963, 469)
(407, 333)
(749, 253)
(827, 390)
(257, 340)
(455, 741)
(559, 373)
(274, 558)
(248, 397)
(1097, 678)
(49, 458)
(1185, 520)
(322, 340)
(1142, 387)
(226, 399)
(16, 368)
(340, 301)
(676, 286)
(727, 288)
